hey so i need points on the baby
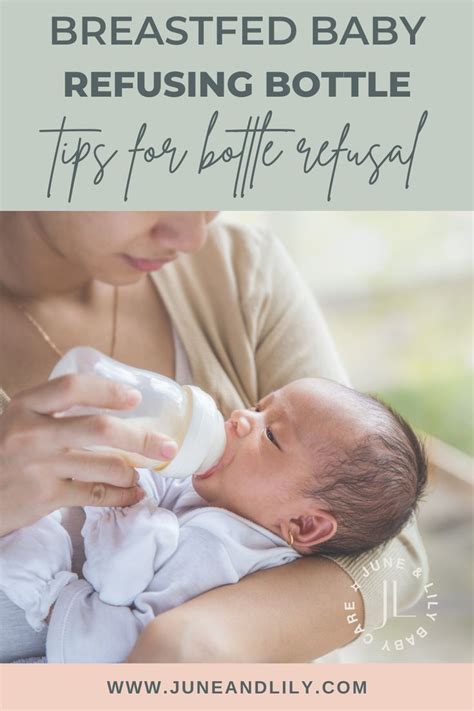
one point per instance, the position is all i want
(314, 468)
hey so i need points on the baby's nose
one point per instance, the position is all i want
(243, 422)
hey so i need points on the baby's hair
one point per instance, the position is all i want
(372, 488)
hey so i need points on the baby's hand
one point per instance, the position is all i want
(125, 547)
(36, 566)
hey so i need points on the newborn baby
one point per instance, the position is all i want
(314, 468)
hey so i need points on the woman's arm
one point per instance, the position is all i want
(292, 613)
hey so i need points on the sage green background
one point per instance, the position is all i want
(441, 82)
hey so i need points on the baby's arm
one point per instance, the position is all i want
(214, 550)
(125, 547)
(83, 628)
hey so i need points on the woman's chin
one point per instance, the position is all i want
(120, 278)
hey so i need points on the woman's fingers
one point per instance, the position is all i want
(60, 394)
(107, 431)
(29, 431)
(94, 467)
(80, 493)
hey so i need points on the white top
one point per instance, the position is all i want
(146, 559)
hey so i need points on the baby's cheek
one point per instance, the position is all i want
(284, 489)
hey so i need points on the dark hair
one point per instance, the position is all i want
(372, 488)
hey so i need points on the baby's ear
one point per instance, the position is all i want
(312, 529)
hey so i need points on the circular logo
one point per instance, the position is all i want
(392, 570)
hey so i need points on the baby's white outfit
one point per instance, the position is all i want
(140, 562)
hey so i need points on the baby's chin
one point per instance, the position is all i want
(206, 487)
(200, 487)
(213, 490)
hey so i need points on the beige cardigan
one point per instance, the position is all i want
(249, 325)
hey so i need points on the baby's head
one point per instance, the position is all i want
(323, 465)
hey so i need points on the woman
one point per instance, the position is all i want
(232, 316)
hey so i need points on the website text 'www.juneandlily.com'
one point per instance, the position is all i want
(219, 687)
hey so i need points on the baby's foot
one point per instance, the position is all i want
(35, 565)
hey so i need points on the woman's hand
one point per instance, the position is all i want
(42, 463)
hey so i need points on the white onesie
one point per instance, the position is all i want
(140, 561)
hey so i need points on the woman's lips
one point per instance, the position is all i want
(146, 265)
(227, 455)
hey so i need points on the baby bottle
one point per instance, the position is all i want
(185, 413)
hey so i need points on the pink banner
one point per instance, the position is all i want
(237, 686)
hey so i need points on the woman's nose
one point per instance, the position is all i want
(181, 231)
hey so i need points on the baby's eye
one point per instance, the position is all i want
(270, 436)
(255, 408)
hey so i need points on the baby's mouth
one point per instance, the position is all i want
(227, 456)
(208, 473)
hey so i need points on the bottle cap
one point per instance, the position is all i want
(205, 439)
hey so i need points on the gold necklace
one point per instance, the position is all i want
(50, 341)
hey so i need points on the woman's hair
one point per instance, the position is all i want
(373, 487)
